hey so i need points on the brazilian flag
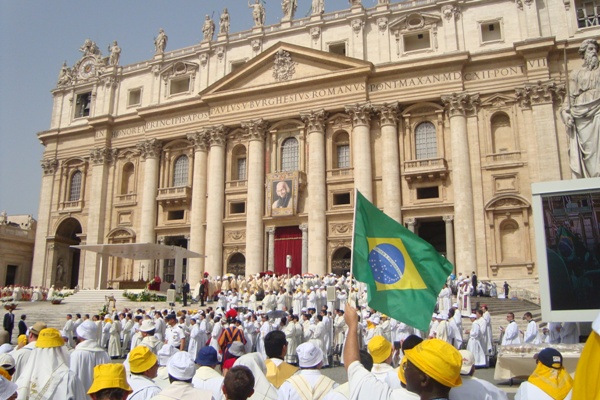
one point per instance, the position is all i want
(403, 273)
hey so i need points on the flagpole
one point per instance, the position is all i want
(352, 247)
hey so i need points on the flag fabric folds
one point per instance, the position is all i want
(403, 273)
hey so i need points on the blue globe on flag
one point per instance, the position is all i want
(387, 263)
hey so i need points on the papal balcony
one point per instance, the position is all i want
(174, 196)
(425, 170)
(71, 206)
(123, 200)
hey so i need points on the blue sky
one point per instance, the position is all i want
(38, 36)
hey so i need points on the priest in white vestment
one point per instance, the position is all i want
(87, 354)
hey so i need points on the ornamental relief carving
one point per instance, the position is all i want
(150, 148)
(284, 67)
(315, 33)
(236, 236)
(335, 245)
(340, 228)
(49, 165)
(450, 11)
(357, 26)
(255, 129)
(102, 155)
(314, 120)
(461, 104)
(540, 93)
(360, 113)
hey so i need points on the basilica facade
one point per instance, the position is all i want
(247, 147)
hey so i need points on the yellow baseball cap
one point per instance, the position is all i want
(48, 338)
(108, 376)
(379, 348)
(438, 359)
(141, 359)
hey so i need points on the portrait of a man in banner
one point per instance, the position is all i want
(282, 194)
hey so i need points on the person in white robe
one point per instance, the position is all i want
(127, 333)
(194, 338)
(474, 343)
(381, 350)
(443, 331)
(531, 334)
(454, 333)
(114, 342)
(206, 377)
(263, 389)
(87, 354)
(342, 299)
(281, 300)
(510, 334)
(318, 338)
(489, 340)
(473, 388)
(298, 302)
(47, 375)
(68, 329)
(216, 334)
(148, 330)
(291, 337)
(143, 365)
(311, 298)
(569, 334)
(552, 333)
(265, 328)
(21, 356)
(160, 326)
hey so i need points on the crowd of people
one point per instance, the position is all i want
(279, 343)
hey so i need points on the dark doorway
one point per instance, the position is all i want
(75, 267)
(11, 275)
(169, 272)
(237, 264)
(340, 262)
(434, 232)
(67, 235)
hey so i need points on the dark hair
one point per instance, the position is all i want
(239, 383)
(110, 394)
(511, 314)
(78, 315)
(528, 314)
(274, 342)
(366, 359)
(451, 312)
(320, 317)
(23, 316)
(410, 342)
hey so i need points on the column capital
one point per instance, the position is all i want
(216, 135)
(304, 228)
(461, 104)
(255, 129)
(314, 120)
(102, 155)
(360, 113)
(270, 230)
(410, 221)
(533, 94)
(199, 140)
(448, 218)
(388, 113)
(149, 148)
(49, 165)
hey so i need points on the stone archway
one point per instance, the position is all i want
(340, 261)
(65, 266)
(236, 264)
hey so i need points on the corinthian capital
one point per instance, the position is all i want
(199, 140)
(49, 165)
(388, 113)
(255, 129)
(461, 103)
(102, 155)
(216, 135)
(540, 93)
(149, 148)
(360, 113)
(314, 120)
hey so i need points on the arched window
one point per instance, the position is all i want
(75, 188)
(127, 179)
(425, 141)
(342, 149)
(289, 154)
(180, 171)
(502, 140)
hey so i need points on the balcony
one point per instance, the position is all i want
(340, 174)
(174, 196)
(236, 186)
(123, 200)
(430, 169)
(71, 206)
(503, 160)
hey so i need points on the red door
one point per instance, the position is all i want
(288, 241)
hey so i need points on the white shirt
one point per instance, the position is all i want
(84, 358)
(143, 387)
(528, 391)
(364, 386)
(476, 389)
(531, 334)
(511, 334)
(287, 390)
(207, 378)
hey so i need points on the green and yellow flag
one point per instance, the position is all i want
(403, 273)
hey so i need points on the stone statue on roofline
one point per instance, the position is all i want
(224, 22)
(160, 42)
(115, 54)
(289, 8)
(65, 76)
(208, 29)
(258, 13)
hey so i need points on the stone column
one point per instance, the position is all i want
(304, 230)
(411, 222)
(216, 201)
(41, 271)
(458, 105)
(271, 254)
(361, 148)
(449, 237)
(317, 189)
(91, 272)
(161, 262)
(540, 97)
(392, 194)
(255, 206)
(198, 211)
(150, 151)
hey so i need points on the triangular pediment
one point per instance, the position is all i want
(283, 65)
(498, 100)
(415, 21)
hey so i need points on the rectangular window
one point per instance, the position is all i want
(588, 13)
(490, 31)
(181, 85)
(338, 48)
(176, 215)
(83, 104)
(237, 208)
(135, 97)
(418, 41)
(432, 192)
(241, 169)
(343, 156)
(235, 65)
(340, 199)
